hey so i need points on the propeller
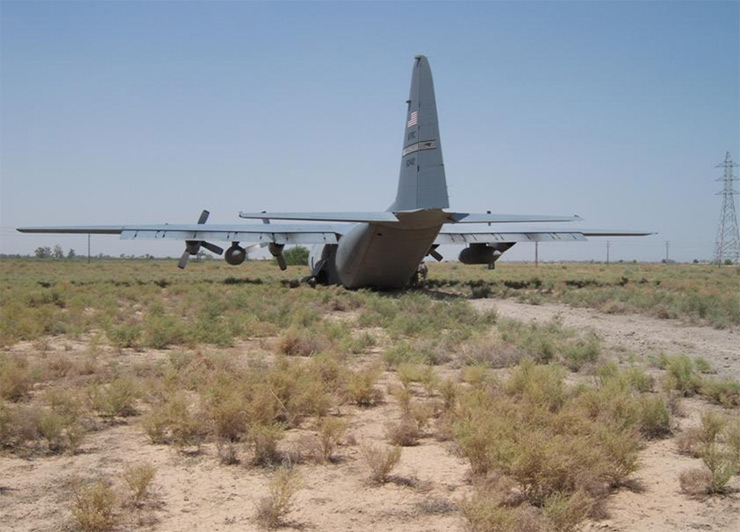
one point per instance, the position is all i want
(436, 254)
(192, 247)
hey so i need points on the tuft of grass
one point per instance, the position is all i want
(93, 506)
(380, 461)
(272, 510)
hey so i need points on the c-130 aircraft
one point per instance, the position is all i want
(381, 250)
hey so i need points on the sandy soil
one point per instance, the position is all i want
(195, 492)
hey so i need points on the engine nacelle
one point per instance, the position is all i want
(322, 263)
(235, 255)
(480, 254)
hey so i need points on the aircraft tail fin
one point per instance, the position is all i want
(421, 182)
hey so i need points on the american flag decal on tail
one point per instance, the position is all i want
(413, 119)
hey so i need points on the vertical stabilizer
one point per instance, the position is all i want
(421, 183)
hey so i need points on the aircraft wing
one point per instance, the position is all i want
(525, 235)
(277, 233)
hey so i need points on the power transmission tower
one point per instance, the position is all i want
(727, 246)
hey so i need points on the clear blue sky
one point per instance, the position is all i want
(143, 112)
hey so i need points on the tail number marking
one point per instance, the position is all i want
(426, 145)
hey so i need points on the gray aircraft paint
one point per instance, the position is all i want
(378, 249)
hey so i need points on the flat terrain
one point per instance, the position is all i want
(74, 333)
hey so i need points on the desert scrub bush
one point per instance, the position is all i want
(380, 461)
(695, 482)
(681, 376)
(138, 478)
(298, 389)
(484, 350)
(228, 418)
(721, 464)
(565, 512)
(360, 387)
(272, 510)
(117, 398)
(448, 389)
(580, 352)
(161, 331)
(655, 418)
(483, 513)
(175, 421)
(404, 433)
(125, 335)
(702, 365)
(541, 385)
(302, 342)
(94, 506)
(15, 378)
(263, 440)
(725, 392)
(330, 432)
(717, 443)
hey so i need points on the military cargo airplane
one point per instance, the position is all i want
(380, 250)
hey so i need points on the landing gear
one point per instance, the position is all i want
(419, 279)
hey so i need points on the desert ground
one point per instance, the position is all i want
(567, 397)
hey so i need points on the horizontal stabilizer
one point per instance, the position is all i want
(367, 217)
(474, 218)
(615, 232)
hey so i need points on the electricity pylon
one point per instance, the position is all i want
(727, 246)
